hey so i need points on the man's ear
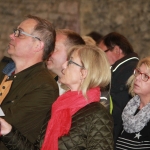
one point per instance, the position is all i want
(83, 73)
(39, 45)
(117, 49)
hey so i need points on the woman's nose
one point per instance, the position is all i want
(65, 64)
(138, 77)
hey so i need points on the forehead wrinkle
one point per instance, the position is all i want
(28, 25)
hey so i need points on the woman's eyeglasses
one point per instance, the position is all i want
(144, 76)
(72, 62)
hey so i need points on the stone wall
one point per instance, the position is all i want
(128, 17)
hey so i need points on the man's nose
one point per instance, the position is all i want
(12, 36)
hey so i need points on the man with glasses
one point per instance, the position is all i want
(123, 61)
(27, 90)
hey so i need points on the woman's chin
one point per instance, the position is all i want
(61, 80)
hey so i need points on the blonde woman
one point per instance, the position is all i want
(136, 114)
(88, 40)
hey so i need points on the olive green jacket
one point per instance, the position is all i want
(91, 129)
(29, 100)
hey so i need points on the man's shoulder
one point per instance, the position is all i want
(128, 62)
(38, 75)
(43, 76)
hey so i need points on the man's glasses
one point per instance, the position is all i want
(144, 76)
(106, 50)
(72, 62)
(18, 32)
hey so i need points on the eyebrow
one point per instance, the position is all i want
(143, 72)
(20, 28)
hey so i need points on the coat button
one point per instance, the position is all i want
(3, 87)
(0, 94)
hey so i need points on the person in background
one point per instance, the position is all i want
(27, 90)
(65, 39)
(123, 60)
(78, 120)
(136, 114)
(96, 36)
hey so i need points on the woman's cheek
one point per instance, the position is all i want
(63, 78)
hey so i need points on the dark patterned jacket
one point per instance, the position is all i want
(91, 129)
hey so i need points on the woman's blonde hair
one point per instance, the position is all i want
(145, 61)
(95, 62)
(88, 40)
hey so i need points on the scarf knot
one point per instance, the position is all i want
(63, 109)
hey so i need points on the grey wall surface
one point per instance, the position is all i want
(128, 17)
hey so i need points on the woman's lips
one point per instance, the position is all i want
(136, 85)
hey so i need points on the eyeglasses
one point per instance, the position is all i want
(144, 76)
(72, 62)
(18, 32)
(108, 49)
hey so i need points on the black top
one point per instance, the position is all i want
(121, 71)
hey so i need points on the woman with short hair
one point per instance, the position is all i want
(136, 114)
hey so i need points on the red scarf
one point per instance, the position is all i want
(63, 109)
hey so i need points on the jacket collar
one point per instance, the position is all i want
(117, 64)
(10, 67)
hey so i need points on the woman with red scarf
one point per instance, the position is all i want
(78, 121)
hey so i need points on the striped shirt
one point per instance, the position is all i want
(134, 141)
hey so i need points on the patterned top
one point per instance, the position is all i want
(134, 141)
